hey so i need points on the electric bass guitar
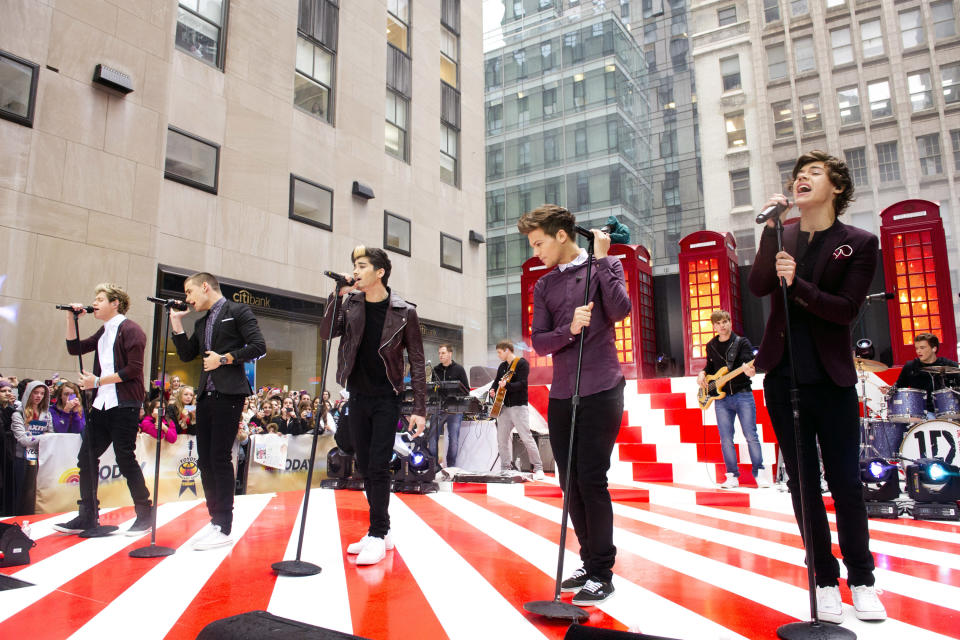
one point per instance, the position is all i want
(502, 391)
(715, 383)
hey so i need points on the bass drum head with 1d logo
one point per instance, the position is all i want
(932, 439)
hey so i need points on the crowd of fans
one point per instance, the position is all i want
(30, 409)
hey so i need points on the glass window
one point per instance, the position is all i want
(782, 119)
(785, 170)
(448, 154)
(928, 148)
(842, 48)
(835, 3)
(740, 187)
(955, 141)
(199, 29)
(496, 256)
(191, 160)
(449, 56)
(494, 162)
(921, 96)
(736, 130)
(879, 94)
(396, 233)
(771, 11)
(726, 15)
(950, 82)
(313, 79)
(887, 162)
(396, 126)
(730, 71)
(398, 23)
(810, 114)
(848, 100)
(18, 88)
(311, 203)
(871, 35)
(496, 207)
(776, 62)
(798, 8)
(943, 21)
(857, 163)
(495, 118)
(803, 51)
(493, 73)
(549, 100)
(451, 253)
(911, 28)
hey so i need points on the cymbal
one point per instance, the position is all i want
(941, 369)
(873, 366)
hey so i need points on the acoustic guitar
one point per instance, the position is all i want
(715, 383)
(502, 391)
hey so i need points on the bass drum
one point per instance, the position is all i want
(932, 439)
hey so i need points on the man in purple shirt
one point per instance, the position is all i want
(557, 323)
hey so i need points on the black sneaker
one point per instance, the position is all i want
(575, 582)
(76, 525)
(139, 526)
(594, 592)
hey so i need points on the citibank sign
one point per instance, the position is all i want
(245, 297)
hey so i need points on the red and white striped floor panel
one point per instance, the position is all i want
(465, 562)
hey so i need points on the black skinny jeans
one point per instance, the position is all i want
(117, 426)
(218, 420)
(373, 422)
(598, 423)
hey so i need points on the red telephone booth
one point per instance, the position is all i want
(710, 281)
(915, 267)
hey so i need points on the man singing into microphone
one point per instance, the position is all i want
(114, 417)
(376, 325)
(827, 267)
(227, 336)
(557, 323)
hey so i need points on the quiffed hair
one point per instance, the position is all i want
(837, 171)
(505, 345)
(114, 292)
(203, 276)
(719, 315)
(377, 257)
(551, 218)
(929, 338)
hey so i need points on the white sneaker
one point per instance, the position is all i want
(829, 605)
(357, 547)
(373, 551)
(538, 474)
(213, 540)
(206, 531)
(866, 603)
(731, 482)
(762, 483)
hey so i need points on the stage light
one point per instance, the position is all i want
(865, 350)
(935, 487)
(339, 469)
(881, 487)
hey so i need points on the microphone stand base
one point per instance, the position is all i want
(814, 631)
(152, 551)
(556, 609)
(98, 531)
(295, 568)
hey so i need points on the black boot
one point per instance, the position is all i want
(86, 519)
(144, 520)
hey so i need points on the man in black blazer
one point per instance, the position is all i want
(827, 267)
(227, 336)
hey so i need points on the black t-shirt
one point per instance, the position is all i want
(913, 376)
(369, 375)
(739, 350)
(517, 387)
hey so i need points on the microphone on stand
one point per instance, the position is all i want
(883, 295)
(173, 303)
(69, 307)
(773, 211)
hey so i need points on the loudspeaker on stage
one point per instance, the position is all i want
(260, 625)
(580, 632)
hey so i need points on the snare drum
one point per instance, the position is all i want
(885, 437)
(932, 439)
(907, 405)
(946, 404)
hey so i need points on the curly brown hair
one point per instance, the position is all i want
(551, 218)
(837, 172)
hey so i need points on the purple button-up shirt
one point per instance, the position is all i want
(555, 297)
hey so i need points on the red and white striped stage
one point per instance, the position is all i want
(465, 562)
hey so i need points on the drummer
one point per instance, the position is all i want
(913, 376)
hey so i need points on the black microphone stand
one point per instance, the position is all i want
(153, 550)
(98, 530)
(813, 629)
(556, 608)
(298, 567)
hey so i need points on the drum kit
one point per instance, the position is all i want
(900, 429)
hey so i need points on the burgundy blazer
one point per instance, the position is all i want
(128, 348)
(841, 278)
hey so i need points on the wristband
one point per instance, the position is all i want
(96, 382)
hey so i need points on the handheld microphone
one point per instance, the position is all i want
(339, 277)
(173, 303)
(773, 211)
(68, 307)
(883, 295)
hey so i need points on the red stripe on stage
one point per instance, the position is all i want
(77, 601)
(244, 581)
(512, 576)
(385, 600)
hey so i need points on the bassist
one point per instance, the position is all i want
(511, 381)
(729, 350)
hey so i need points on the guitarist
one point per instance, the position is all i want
(510, 388)
(729, 350)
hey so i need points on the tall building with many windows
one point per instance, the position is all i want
(876, 83)
(567, 122)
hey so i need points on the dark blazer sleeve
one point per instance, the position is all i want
(338, 322)
(418, 379)
(254, 344)
(763, 275)
(189, 348)
(134, 344)
(76, 346)
(519, 380)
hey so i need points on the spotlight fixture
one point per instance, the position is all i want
(881, 487)
(339, 469)
(935, 487)
(865, 350)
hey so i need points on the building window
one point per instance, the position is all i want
(551, 154)
(496, 208)
(871, 35)
(549, 100)
(887, 162)
(730, 71)
(786, 173)
(448, 154)
(943, 21)
(776, 62)
(911, 28)
(311, 203)
(771, 11)
(921, 95)
(449, 56)
(726, 15)
(928, 148)
(857, 163)
(736, 130)
(396, 126)
(496, 256)
(396, 233)
(740, 186)
(842, 48)
(879, 94)
(668, 143)
(580, 142)
(398, 24)
(803, 51)
(798, 8)
(950, 82)
(493, 73)
(494, 118)
(831, 4)
(191, 160)
(18, 88)
(451, 253)
(494, 162)
(200, 29)
(955, 141)
(849, 102)
(313, 80)
(782, 119)
(810, 114)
